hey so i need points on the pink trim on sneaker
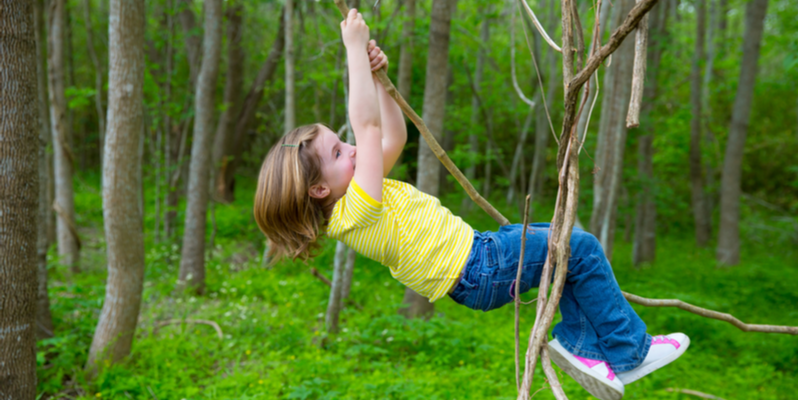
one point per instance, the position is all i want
(660, 339)
(591, 363)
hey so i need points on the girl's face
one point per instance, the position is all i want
(338, 164)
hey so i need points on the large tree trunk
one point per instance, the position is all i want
(702, 220)
(44, 320)
(433, 114)
(406, 51)
(233, 154)
(192, 270)
(289, 109)
(644, 239)
(610, 149)
(474, 146)
(98, 78)
(19, 186)
(122, 213)
(64, 204)
(233, 93)
(728, 245)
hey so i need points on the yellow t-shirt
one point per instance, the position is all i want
(424, 245)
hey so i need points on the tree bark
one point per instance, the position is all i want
(192, 269)
(583, 119)
(19, 187)
(64, 204)
(288, 59)
(536, 179)
(191, 39)
(644, 238)
(433, 114)
(705, 101)
(44, 319)
(702, 220)
(335, 296)
(612, 134)
(233, 95)
(474, 146)
(407, 51)
(728, 244)
(122, 213)
(98, 79)
(233, 153)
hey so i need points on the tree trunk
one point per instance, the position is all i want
(515, 164)
(433, 114)
(19, 186)
(711, 52)
(192, 269)
(702, 221)
(122, 213)
(289, 108)
(191, 39)
(44, 320)
(553, 79)
(407, 51)
(474, 146)
(233, 93)
(233, 154)
(728, 245)
(644, 239)
(98, 79)
(64, 204)
(612, 133)
(335, 296)
(583, 120)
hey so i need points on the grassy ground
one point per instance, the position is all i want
(274, 345)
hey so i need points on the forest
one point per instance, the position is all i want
(134, 131)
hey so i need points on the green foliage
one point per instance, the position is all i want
(275, 345)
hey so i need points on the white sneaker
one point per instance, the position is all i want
(663, 350)
(595, 376)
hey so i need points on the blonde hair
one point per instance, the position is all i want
(283, 209)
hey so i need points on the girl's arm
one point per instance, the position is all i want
(393, 125)
(365, 116)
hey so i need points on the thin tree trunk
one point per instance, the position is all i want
(289, 107)
(233, 154)
(19, 187)
(516, 163)
(705, 101)
(644, 238)
(122, 212)
(335, 296)
(192, 269)
(536, 179)
(44, 319)
(433, 114)
(168, 131)
(612, 134)
(487, 170)
(191, 39)
(474, 146)
(728, 245)
(64, 204)
(233, 95)
(583, 120)
(702, 221)
(407, 51)
(98, 79)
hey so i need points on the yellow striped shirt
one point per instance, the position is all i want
(424, 245)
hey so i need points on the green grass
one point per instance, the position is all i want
(274, 344)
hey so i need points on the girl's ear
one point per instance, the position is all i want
(319, 191)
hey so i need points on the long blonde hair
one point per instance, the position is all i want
(283, 209)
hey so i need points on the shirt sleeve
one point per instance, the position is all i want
(356, 209)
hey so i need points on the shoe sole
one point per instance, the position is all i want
(627, 378)
(580, 374)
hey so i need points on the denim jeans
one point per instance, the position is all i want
(597, 322)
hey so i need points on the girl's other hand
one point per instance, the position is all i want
(377, 59)
(355, 32)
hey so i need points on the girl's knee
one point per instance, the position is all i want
(584, 243)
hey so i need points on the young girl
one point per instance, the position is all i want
(312, 183)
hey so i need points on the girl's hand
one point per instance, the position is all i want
(355, 32)
(377, 59)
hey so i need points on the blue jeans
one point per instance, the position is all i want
(597, 322)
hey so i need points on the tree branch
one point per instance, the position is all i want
(639, 68)
(539, 26)
(791, 330)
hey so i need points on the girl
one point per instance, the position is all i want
(312, 183)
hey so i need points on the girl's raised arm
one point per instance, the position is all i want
(365, 115)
